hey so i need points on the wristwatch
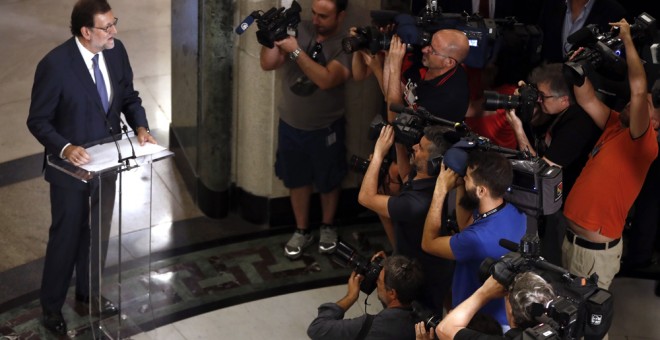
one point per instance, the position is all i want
(295, 54)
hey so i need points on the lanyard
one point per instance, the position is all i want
(489, 212)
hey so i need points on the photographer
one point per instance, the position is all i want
(311, 150)
(598, 205)
(569, 136)
(398, 284)
(437, 82)
(527, 288)
(564, 141)
(408, 209)
(483, 219)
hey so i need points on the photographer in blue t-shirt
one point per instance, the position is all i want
(480, 179)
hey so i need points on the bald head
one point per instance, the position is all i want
(455, 43)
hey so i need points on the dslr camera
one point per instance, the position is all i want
(602, 51)
(347, 256)
(524, 103)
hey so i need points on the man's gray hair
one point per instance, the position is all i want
(528, 288)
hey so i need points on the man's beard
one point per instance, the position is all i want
(469, 201)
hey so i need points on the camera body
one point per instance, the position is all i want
(347, 256)
(580, 309)
(602, 51)
(367, 38)
(277, 24)
(524, 103)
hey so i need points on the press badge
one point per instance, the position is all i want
(331, 139)
(409, 93)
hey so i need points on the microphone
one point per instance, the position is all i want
(240, 29)
(125, 129)
(508, 244)
(584, 35)
(399, 108)
(107, 123)
(423, 113)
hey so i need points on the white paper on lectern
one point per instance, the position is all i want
(104, 156)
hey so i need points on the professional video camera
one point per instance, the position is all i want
(409, 124)
(347, 256)
(274, 25)
(581, 308)
(602, 51)
(378, 37)
(524, 103)
(537, 186)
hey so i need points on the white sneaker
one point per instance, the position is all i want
(328, 240)
(298, 242)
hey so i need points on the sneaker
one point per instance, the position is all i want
(298, 242)
(328, 240)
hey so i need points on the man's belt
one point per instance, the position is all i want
(571, 237)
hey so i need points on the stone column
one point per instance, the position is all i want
(202, 62)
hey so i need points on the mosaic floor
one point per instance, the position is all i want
(196, 282)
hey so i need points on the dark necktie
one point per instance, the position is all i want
(100, 83)
(484, 9)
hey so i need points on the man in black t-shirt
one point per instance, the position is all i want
(438, 82)
(564, 141)
(408, 209)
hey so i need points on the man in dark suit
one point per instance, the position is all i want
(80, 89)
(554, 22)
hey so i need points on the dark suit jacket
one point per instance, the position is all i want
(552, 23)
(66, 107)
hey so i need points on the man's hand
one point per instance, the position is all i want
(143, 136)
(422, 334)
(491, 289)
(624, 29)
(288, 44)
(397, 50)
(514, 121)
(77, 155)
(384, 142)
(380, 254)
(447, 178)
(354, 285)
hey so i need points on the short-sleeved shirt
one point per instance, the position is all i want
(479, 241)
(446, 96)
(408, 213)
(572, 137)
(390, 323)
(612, 178)
(323, 107)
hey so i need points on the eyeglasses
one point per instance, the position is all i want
(434, 52)
(106, 28)
(543, 97)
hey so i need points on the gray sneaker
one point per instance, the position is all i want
(298, 242)
(328, 240)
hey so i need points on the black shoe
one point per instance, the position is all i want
(54, 322)
(106, 307)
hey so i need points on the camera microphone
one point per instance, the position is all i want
(508, 244)
(240, 29)
(584, 35)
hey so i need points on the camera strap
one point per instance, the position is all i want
(489, 212)
(366, 326)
